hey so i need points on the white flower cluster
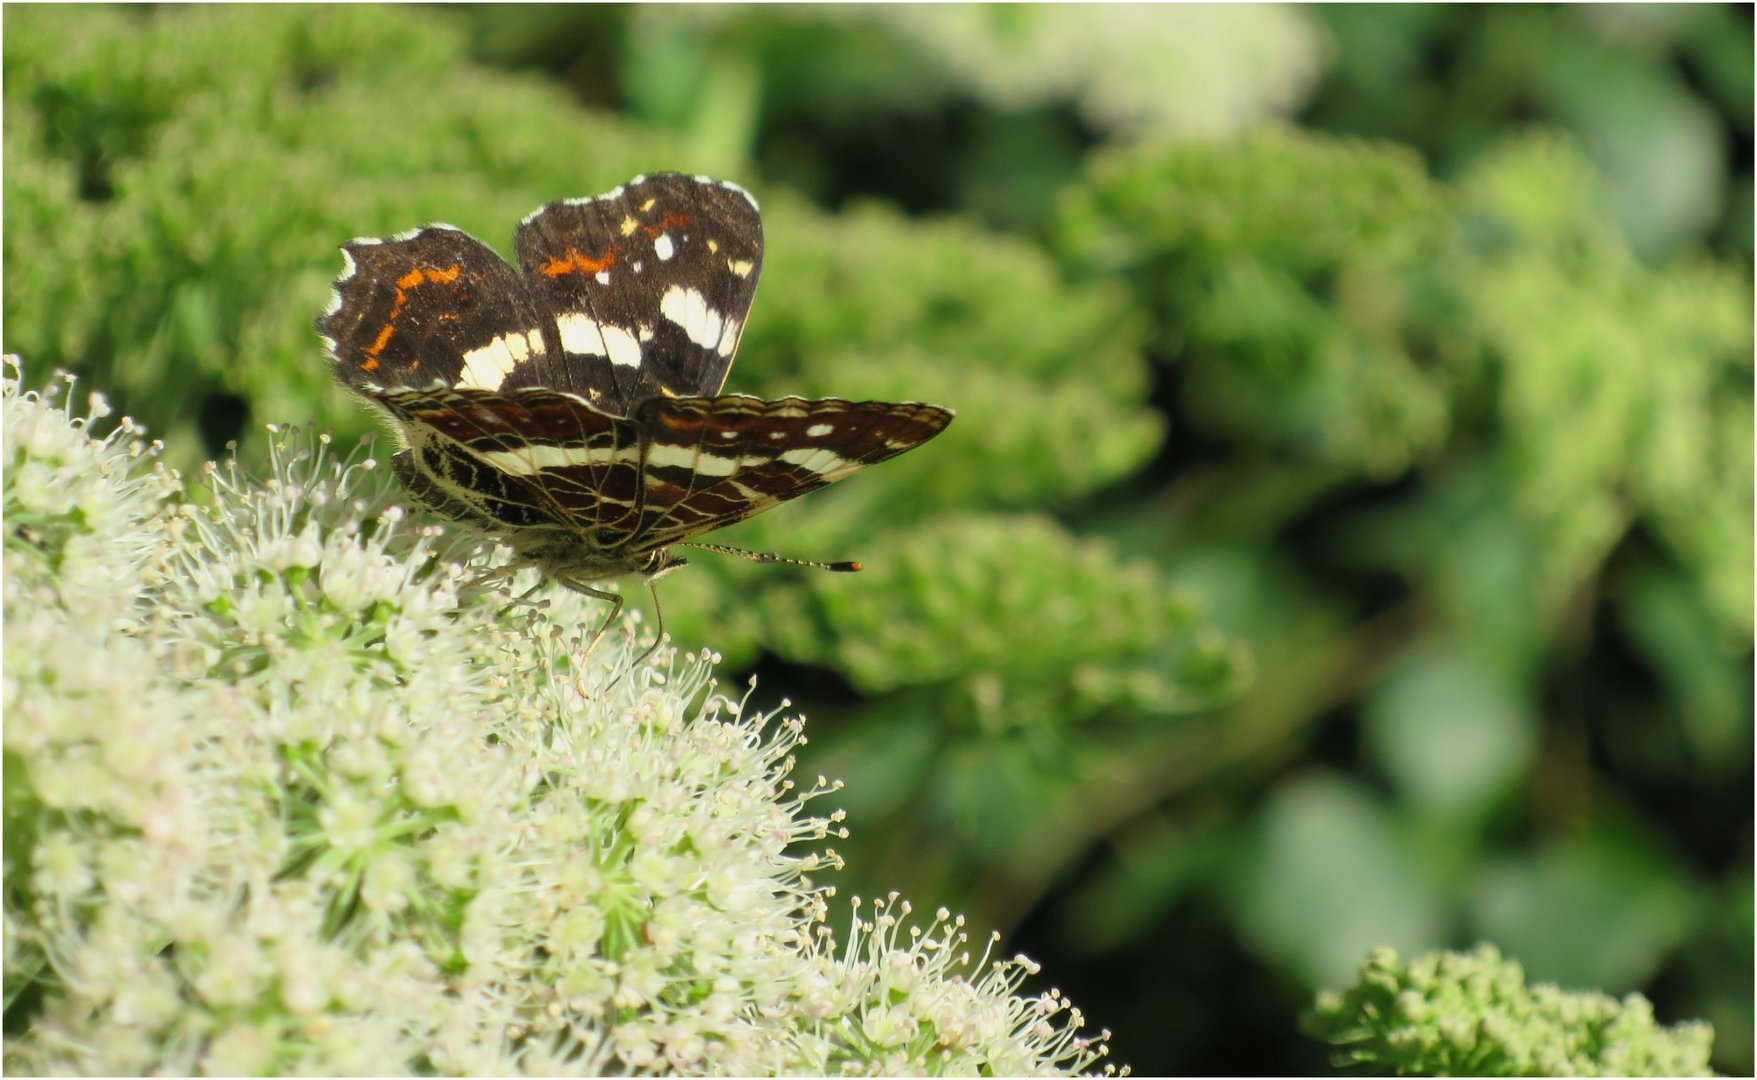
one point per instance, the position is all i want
(288, 793)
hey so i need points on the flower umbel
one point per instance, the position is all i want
(1472, 1014)
(903, 998)
(288, 792)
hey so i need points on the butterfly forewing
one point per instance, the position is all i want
(649, 284)
(432, 307)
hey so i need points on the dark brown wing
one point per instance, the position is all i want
(528, 458)
(433, 306)
(709, 462)
(648, 287)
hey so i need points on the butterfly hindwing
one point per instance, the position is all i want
(523, 459)
(711, 462)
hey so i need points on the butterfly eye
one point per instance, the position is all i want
(661, 561)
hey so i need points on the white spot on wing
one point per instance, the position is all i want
(748, 197)
(819, 461)
(689, 309)
(818, 431)
(629, 225)
(602, 277)
(582, 335)
(729, 338)
(335, 294)
(686, 457)
(348, 265)
(740, 267)
(663, 247)
(587, 200)
(529, 460)
(621, 347)
(487, 367)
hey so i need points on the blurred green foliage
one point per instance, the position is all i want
(1343, 542)
(197, 170)
(1659, 94)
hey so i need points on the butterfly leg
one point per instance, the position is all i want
(615, 600)
(485, 581)
(522, 598)
(615, 610)
(659, 624)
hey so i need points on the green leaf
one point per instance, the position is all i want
(1329, 856)
(1452, 734)
(1599, 909)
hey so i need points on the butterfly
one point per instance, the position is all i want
(571, 408)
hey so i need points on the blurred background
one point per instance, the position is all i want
(1346, 535)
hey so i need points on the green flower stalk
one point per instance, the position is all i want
(286, 792)
(1472, 1014)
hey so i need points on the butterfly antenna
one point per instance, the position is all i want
(771, 557)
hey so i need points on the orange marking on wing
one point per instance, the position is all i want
(667, 222)
(575, 263)
(420, 275)
(377, 346)
(685, 426)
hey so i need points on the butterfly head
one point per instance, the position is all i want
(659, 562)
(566, 556)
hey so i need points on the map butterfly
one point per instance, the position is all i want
(571, 408)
